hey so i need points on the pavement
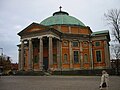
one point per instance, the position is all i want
(56, 83)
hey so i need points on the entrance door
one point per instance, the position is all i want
(45, 63)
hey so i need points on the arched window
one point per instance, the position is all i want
(85, 58)
(65, 58)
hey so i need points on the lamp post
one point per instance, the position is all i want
(2, 51)
(1, 64)
(1, 54)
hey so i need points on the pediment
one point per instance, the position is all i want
(34, 27)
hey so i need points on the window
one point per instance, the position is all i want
(75, 44)
(35, 59)
(54, 58)
(35, 44)
(98, 56)
(76, 57)
(97, 43)
(65, 58)
(54, 43)
(85, 58)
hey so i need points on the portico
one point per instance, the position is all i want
(41, 49)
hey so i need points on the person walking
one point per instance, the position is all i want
(0, 74)
(104, 80)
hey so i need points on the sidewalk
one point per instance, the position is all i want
(55, 83)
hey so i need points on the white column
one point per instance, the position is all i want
(22, 55)
(50, 52)
(19, 57)
(40, 54)
(30, 55)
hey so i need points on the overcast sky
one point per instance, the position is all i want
(15, 15)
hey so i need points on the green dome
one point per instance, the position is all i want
(61, 18)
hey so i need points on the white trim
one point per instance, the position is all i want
(46, 35)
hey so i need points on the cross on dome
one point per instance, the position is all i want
(60, 8)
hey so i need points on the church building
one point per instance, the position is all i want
(63, 42)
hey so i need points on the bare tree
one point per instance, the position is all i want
(115, 51)
(113, 18)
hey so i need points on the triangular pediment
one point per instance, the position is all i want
(34, 27)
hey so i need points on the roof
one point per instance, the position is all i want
(100, 32)
(106, 32)
(61, 18)
(30, 26)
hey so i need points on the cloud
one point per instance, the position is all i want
(15, 15)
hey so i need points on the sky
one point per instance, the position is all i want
(15, 15)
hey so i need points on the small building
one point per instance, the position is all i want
(14, 66)
(115, 65)
(63, 42)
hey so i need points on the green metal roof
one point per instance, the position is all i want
(100, 32)
(61, 18)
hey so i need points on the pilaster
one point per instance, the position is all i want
(69, 29)
(58, 53)
(70, 49)
(81, 55)
(107, 54)
(91, 55)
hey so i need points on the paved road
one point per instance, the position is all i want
(55, 83)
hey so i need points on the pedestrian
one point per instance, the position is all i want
(0, 74)
(104, 80)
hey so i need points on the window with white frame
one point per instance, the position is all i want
(97, 43)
